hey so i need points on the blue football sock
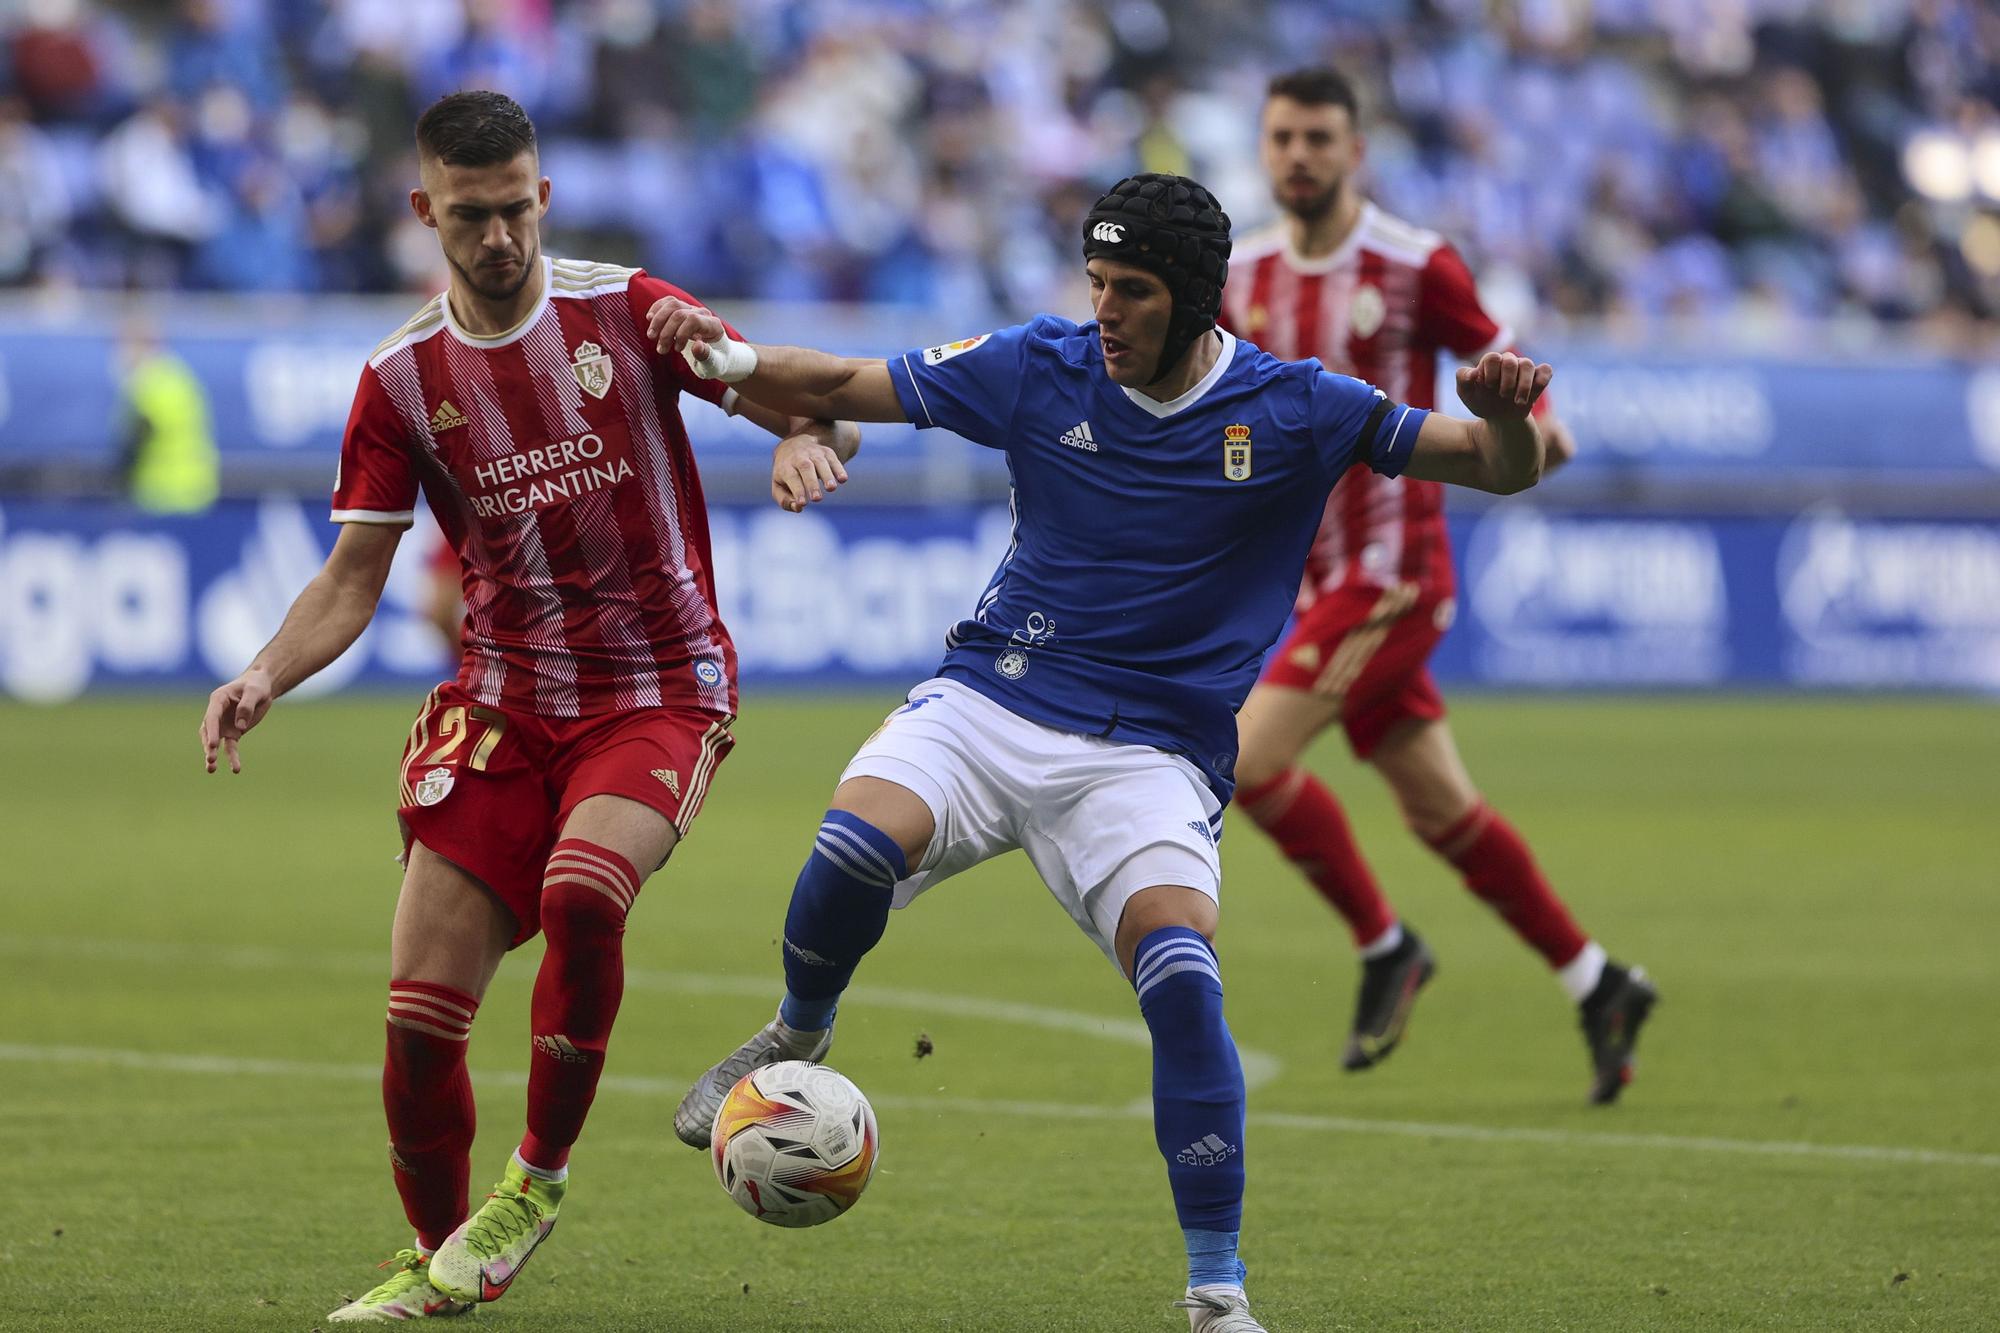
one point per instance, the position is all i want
(840, 907)
(1197, 1096)
(1212, 1258)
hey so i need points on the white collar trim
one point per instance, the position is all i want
(1192, 396)
(486, 342)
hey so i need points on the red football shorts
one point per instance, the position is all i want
(489, 789)
(1369, 648)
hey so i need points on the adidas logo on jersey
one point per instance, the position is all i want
(671, 778)
(1078, 437)
(447, 417)
(559, 1047)
(1205, 1153)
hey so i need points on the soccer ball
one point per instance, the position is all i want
(794, 1143)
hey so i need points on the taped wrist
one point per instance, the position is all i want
(727, 360)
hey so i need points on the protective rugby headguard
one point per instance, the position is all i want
(1174, 229)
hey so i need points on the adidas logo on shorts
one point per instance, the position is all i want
(1078, 437)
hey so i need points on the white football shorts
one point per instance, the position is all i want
(1100, 819)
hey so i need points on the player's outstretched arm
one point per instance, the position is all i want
(795, 380)
(325, 620)
(810, 462)
(1500, 452)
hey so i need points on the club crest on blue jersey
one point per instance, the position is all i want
(1236, 453)
(1013, 664)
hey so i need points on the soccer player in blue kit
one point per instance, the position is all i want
(1168, 479)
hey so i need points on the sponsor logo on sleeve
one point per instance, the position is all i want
(937, 356)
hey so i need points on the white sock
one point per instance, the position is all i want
(1384, 944)
(1580, 975)
(541, 1173)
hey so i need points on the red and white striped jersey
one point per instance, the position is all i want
(557, 464)
(1379, 308)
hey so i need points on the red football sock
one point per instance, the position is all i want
(1298, 811)
(1501, 871)
(428, 1096)
(586, 893)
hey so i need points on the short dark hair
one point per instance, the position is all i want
(475, 129)
(1316, 85)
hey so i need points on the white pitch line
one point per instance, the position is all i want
(1260, 1068)
(237, 1066)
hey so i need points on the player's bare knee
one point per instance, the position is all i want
(450, 929)
(637, 832)
(1159, 908)
(1430, 815)
(898, 812)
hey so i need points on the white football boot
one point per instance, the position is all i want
(1219, 1309)
(775, 1041)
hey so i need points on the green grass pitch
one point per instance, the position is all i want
(194, 974)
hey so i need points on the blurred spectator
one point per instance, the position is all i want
(1760, 166)
(169, 460)
(34, 200)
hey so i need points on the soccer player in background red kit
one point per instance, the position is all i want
(1371, 296)
(593, 703)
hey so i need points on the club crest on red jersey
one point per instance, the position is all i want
(434, 786)
(1367, 311)
(1236, 453)
(593, 369)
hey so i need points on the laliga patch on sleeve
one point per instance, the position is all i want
(936, 356)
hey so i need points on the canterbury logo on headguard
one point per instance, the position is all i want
(1109, 232)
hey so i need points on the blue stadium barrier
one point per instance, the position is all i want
(280, 395)
(95, 596)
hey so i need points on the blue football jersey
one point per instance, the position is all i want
(1157, 547)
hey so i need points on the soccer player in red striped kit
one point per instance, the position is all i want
(593, 702)
(1372, 296)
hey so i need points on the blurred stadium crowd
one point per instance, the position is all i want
(1749, 167)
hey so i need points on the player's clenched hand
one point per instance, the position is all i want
(804, 469)
(675, 325)
(1503, 386)
(232, 710)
